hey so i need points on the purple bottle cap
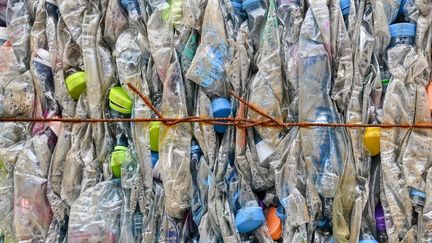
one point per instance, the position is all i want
(261, 203)
(379, 218)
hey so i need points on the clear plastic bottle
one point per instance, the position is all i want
(137, 226)
(402, 34)
(418, 199)
(406, 7)
(3, 35)
(256, 18)
(196, 204)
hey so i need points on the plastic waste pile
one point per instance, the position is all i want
(294, 61)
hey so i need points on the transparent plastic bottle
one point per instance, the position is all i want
(3, 35)
(418, 199)
(137, 226)
(256, 18)
(196, 204)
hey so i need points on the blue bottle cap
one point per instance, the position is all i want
(368, 241)
(221, 108)
(414, 192)
(249, 219)
(154, 158)
(345, 7)
(237, 5)
(402, 29)
(250, 3)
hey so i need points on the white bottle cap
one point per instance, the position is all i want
(264, 150)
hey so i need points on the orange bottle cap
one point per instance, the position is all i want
(274, 224)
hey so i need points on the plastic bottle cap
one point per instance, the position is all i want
(274, 224)
(402, 29)
(429, 93)
(195, 148)
(154, 158)
(414, 192)
(264, 150)
(379, 218)
(117, 158)
(237, 5)
(120, 100)
(76, 84)
(371, 140)
(345, 7)
(250, 3)
(154, 135)
(385, 81)
(249, 219)
(368, 241)
(221, 108)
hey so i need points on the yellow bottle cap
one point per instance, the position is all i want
(154, 135)
(76, 84)
(371, 140)
(120, 100)
(117, 158)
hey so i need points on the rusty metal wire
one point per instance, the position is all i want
(231, 121)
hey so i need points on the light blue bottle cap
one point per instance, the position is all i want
(221, 108)
(154, 158)
(249, 219)
(248, 4)
(368, 241)
(414, 192)
(402, 29)
(237, 5)
(196, 149)
(345, 7)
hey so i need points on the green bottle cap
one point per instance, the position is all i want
(76, 84)
(154, 135)
(117, 158)
(120, 100)
(385, 81)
